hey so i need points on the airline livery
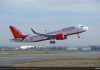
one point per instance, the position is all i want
(52, 36)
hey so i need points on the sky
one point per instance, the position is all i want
(50, 15)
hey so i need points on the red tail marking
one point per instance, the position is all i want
(16, 33)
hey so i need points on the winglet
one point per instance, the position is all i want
(34, 31)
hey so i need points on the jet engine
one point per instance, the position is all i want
(61, 37)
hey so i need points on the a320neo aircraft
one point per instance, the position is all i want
(52, 36)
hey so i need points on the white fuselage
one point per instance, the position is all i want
(66, 31)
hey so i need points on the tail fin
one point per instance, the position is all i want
(16, 33)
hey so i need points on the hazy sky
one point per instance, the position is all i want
(50, 15)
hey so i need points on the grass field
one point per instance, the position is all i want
(66, 62)
(21, 53)
(63, 63)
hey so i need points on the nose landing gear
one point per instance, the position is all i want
(78, 35)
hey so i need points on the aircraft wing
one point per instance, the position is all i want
(49, 36)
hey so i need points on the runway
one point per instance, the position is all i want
(13, 60)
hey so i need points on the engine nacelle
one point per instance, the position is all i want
(61, 37)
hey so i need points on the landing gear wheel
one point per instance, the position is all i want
(52, 42)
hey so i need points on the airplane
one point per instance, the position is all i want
(52, 36)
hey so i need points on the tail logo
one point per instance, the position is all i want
(16, 33)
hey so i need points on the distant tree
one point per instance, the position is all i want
(94, 47)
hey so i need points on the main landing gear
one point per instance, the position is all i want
(52, 42)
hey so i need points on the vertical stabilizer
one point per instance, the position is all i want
(16, 33)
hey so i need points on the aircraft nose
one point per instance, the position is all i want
(85, 28)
